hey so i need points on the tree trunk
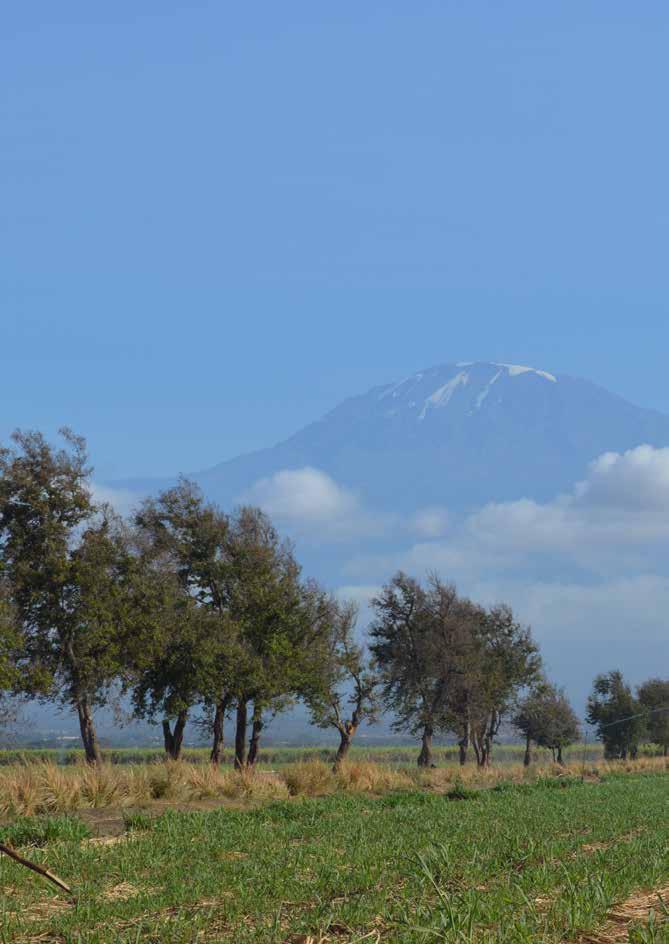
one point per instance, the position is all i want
(425, 756)
(240, 734)
(665, 750)
(346, 733)
(483, 750)
(174, 739)
(527, 759)
(559, 756)
(219, 733)
(487, 757)
(463, 745)
(256, 728)
(88, 735)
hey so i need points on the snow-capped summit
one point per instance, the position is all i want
(466, 386)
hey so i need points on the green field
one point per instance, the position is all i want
(546, 861)
(277, 756)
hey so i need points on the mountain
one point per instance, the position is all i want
(458, 435)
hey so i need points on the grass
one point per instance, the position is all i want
(40, 831)
(47, 789)
(527, 863)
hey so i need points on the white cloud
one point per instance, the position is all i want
(622, 504)
(637, 480)
(613, 523)
(312, 503)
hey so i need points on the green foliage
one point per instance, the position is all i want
(447, 664)
(339, 688)
(653, 696)
(616, 715)
(546, 717)
(65, 562)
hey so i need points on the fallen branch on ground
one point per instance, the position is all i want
(13, 854)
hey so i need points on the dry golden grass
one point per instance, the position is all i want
(367, 777)
(310, 778)
(44, 788)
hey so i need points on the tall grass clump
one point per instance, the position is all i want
(366, 777)
(309, 778)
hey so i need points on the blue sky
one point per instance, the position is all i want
(217, 220)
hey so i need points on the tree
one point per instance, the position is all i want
(415, 644)
(236, 569)
(269, 606)
(617, 716)
(170, 657)
(653, 696)
(501, 660)
(342, 693)
(65, 560)
(546, 717)
(184, 655)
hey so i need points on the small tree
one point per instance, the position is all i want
(653, 696)
(502, 660)
(265, 601)
(66, 564)
(403, 643)
(546, 717)
(416, 643)
(616, 715)
(343, 692)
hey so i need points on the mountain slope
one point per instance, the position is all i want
(457, 434)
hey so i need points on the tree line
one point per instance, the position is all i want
(186, 610)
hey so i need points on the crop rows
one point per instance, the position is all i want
(549, 861)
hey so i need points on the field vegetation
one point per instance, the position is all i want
(543, 859)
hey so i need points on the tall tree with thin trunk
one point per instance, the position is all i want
(270, 607)
(417, 642)
(342, 693)
(189, 654)
(65, 560)
(502, 660)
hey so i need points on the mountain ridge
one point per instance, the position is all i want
(460, 434)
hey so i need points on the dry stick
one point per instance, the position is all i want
(35, 868)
